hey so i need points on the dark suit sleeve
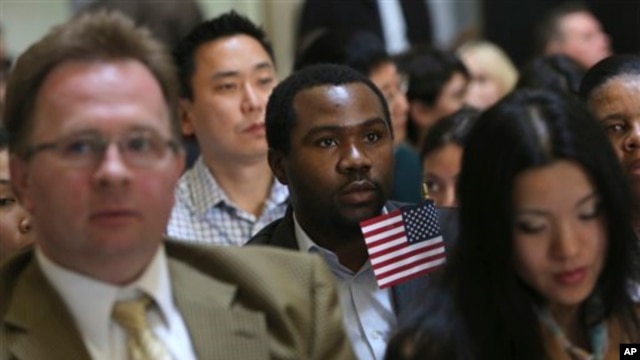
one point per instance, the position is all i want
(330, 341)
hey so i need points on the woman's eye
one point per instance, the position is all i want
(591, 213)
(433, 186)
(7, 201)
(529, 228)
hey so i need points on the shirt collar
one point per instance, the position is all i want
(90, 301)
(306, 244)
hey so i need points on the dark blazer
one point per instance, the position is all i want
(281, 233)
(363, 15)
(236, 303)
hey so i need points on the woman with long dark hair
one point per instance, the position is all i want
(543, 266)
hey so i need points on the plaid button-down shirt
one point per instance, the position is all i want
(204, 213)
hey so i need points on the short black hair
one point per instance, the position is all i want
(429, 69)
(556, 72)
(280, 115)
(607, 69)
(452, 129)
(359, 50)
(227, 24)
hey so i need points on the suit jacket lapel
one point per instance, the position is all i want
(218, 330)
(44, 326)
(284, 235)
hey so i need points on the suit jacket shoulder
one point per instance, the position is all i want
(287, 300)
(279, 233)
(236, 303)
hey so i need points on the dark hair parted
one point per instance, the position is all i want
(547, 28)
(280, 115)
(429, 69)
(94, 37)
(359, 50)
(612, 67)
(452, 129)
(225, 25)
(555, 72)
(493, 308)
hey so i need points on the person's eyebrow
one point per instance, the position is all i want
(263, 65)
(582, 201)
(337, 128)
(224, 74)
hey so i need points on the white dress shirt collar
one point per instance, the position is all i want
(90, 301)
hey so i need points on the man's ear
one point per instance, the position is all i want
(277, 165)
(20, 181)
(186, 117)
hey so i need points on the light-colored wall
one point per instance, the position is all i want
(25, 21)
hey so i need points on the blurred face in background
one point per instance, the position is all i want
(560, 240)
(484, 89)
(581, 38)
(441, 169)
(450, 100)
(14, 220)
(394, 88)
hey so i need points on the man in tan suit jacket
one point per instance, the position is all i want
(95, 156)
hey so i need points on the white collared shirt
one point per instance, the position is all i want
(367, 310)
(90, 303)
(203, 212)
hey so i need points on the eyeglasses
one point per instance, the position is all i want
(140, 149)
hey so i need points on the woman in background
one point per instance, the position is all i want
(546, 248)
(15, 225)
(437, 86)
(441, 155)
(493, 75)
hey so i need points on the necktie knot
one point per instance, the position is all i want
(142, 344)
(131, 314)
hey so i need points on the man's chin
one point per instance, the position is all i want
(354, 215)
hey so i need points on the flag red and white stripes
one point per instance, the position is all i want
(404, 244)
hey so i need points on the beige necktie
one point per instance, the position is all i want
(142, 344)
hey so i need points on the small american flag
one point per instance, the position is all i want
(404, 244)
